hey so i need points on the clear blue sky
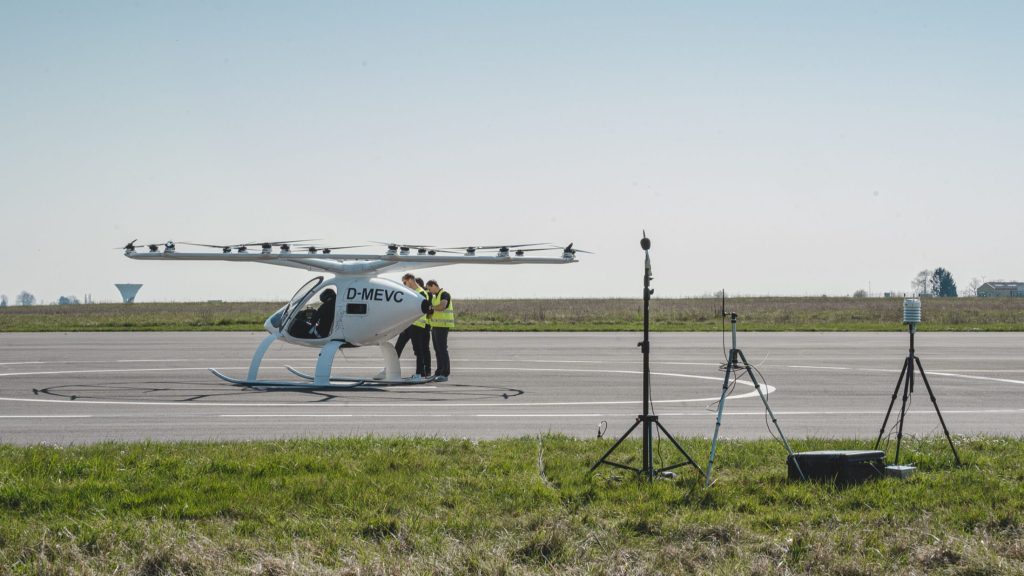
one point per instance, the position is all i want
(766, 147)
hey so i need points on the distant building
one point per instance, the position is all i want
(128, 291)
(1008, 289)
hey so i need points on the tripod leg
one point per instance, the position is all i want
(680, 448)
(936, 404)
(892, 402)
(775, 420)
(616, 445)
(907, 387)
(718, 420)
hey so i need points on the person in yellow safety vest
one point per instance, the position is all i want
(441, 319)
(418, 332)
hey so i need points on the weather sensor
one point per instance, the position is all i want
(912, 312)
(911, 317)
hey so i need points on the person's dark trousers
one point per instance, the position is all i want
(420, 337)
(440, 338)
(403, 339)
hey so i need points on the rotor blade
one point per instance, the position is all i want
(537, 249)
(222, 246)
(328, 247)
(325, 249)
(496, 246)
(135, 244)
(401, 245)
(572, 250)
(274, 243)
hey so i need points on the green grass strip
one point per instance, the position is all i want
(517, 506)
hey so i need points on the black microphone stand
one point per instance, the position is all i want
(648, 420)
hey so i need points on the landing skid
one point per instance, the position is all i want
(383, 382)
(321, 378)
(285, 384)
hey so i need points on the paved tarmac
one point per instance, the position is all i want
(84, 388)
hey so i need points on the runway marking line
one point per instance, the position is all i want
(758, 413)
(47, 416)
(927, 372)
(766, 388)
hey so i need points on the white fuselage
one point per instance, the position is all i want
(367, 311)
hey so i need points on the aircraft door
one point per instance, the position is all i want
(296, 304)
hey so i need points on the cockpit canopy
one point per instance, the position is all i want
(309, 315)
(360, 311)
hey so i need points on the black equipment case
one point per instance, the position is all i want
(841, 466)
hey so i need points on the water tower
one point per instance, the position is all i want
(128, 291)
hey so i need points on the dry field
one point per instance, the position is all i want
(676, 314)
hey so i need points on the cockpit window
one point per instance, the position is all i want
(301, 294)
(313, 318)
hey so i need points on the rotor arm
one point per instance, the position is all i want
(348, 263)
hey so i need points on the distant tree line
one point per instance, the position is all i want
(938, 282)
(26, 298)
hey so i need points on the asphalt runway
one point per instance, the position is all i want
(84, 388)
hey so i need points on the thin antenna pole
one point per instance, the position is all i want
(735, 365)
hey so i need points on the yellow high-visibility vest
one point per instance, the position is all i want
(422, 321)
(443, 318)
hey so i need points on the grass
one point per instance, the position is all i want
(682, 315)
(517, 506)
(142, 317)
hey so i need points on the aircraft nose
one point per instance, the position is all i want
(273, 324)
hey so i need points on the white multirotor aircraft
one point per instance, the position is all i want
(354, 307)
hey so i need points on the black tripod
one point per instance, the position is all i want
(906, 381)
(648, 420)
(733, 368)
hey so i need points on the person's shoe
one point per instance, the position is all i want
(440, 378)
(381, 375)
(416, 378)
